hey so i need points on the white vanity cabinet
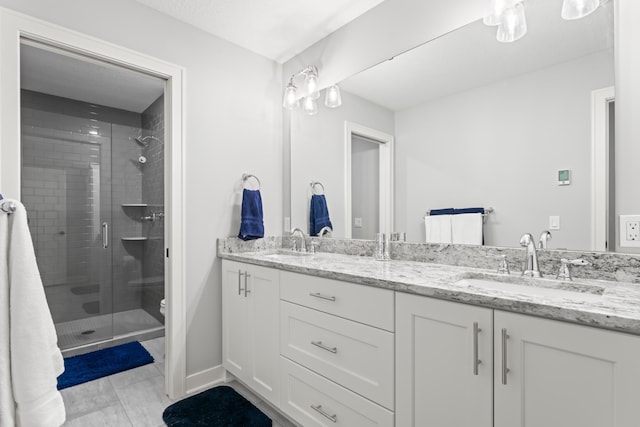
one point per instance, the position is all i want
(250, 326)
(563, 375)
(533, 372)
(337, 352)
(444, 363)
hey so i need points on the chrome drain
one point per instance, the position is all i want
(87, 332)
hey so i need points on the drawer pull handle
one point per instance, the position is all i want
(319, 295)
(322, 412)
(505, 369)
(246, 286)
(476, 361)
(324, 347)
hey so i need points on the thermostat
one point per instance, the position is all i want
(564, 177)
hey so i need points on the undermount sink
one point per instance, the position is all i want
(530, 286)
(288, 253)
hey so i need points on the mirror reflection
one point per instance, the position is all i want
(477, 123)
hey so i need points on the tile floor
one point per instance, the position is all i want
(136, 397)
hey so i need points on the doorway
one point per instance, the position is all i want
(368, 182)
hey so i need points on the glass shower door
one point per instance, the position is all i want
(66, 178)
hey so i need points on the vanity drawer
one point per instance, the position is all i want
(364, 304)
(313, 400)
(358, 357)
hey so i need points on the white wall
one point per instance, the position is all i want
(233, 124)
(319, 155)
(501, 145)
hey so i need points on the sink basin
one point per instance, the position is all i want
(288, 253)
(531, 286)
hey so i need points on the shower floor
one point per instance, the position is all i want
(81, 332)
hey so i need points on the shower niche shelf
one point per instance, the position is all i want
(134, 239)
(134, 205)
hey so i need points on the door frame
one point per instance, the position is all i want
(386, 143)
(600, 100)
(13, 27)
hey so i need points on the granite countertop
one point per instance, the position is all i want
(598, 303)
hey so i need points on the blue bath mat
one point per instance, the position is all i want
(97, 364)
(220, 406)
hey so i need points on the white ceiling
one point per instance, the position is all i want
(61, 73)
(277, 29)
(471, 57)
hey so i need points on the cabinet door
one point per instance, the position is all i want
(235, 321)
(564, 375)
(263, 297)
(437, 383)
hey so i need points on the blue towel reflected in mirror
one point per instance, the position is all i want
(318, 215)
(251, 219)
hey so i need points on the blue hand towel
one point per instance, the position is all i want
(446, 211)
(251, 222)
(318, 215)
(469, 210)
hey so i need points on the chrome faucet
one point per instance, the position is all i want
(303, 247)
(545, 236)
(530, 267)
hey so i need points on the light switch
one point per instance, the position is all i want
(357, 222)
(554, 222)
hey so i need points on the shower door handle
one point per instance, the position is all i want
(105, 235)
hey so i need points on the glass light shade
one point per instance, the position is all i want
(332, 97)
(513, 24)
(310, 106)
(576, 9)
(311, 83)
(497, 7)
(290, 100)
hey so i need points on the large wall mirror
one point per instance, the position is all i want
(479, 123)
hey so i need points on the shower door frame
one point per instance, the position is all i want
(16, 26)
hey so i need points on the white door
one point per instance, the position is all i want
(439, 381)
(564, 375)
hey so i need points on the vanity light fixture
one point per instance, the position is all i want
(309, 101)
(509, 17)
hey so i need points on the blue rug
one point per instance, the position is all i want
(97, 364)
(220, 406)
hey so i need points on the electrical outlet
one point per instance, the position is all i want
(357, 222)
(554, 222)
(630, 230)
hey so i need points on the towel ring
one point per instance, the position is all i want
(8, 206)
(246, 177)
(313, 185)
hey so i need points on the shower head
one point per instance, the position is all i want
(142, 140)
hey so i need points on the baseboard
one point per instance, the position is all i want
(205, 379)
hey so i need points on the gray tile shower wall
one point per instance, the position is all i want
(76, 155)
(153, 191)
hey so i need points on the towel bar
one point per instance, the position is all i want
(313, 184)
(487, 211)
(8, 206)
(246, 177)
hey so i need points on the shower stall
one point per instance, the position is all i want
(93, 186)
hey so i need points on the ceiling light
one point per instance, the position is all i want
(576, 9)
(332, 97)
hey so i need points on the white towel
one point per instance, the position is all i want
(30, 360)
(466, 229)
(438, 228)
